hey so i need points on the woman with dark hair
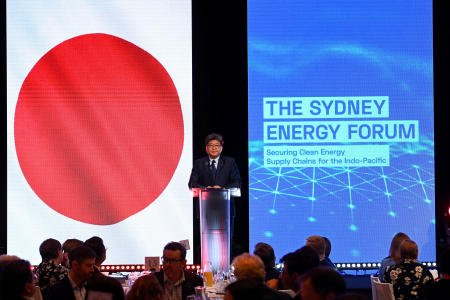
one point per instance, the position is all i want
(394, 255)
(50, 270)
(146, 288)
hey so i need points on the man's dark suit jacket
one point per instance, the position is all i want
(227, 175)
(102, 283)
(61, 290)
(188, 285)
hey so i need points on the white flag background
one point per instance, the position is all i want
(160, 28)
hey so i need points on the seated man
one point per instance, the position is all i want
(98, 281)
(322, 283)
(16, 280)
(267, 255)
(174, 279)
(295, 265)
(50, 270)
(73, 286)
(410, 279)
(318, 243)
(249, 272)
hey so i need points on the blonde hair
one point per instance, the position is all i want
(247, 266)
(317, 243)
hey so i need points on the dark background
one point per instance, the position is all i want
(219, 31)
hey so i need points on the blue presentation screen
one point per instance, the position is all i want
(340, 120)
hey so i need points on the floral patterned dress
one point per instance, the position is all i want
(49, 273)
(409, 278)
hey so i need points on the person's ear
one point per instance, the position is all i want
(29, 289)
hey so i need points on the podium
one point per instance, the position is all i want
(215, 244)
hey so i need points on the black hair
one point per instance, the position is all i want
(71, 244)
(266, 253)
(81, 253)
(214, 136)
(301, 261)
(15, 275)
(173, 246)
(327, 246)
(96, 244)
(49, 249)
(325, 280)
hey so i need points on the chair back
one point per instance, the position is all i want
(381, 290)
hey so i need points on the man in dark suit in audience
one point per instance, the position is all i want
(73, 287)
(99, 282)
(175, 280)
(295, 265)
(322, 283)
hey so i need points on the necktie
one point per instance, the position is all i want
(213, 168)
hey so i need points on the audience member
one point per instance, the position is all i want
(394, 255)
(249, 272)
(322, 283)
(99, 282)
(146, 288)
(68, 246)
(175, 280)
(5, 259)
(326, 262)
(295, 265)
(50, 270)
(410, 279)
(73, 287)
(16, 280)
(267, 255)
(319, 245)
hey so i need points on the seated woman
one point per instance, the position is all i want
(394, 256)
(50, 270)
(410, 279)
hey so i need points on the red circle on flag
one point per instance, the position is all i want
(98, 129)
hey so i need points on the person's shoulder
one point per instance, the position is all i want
(190, 276)
(201, 160)
(59, 286)
(270, 294)
(227, 160)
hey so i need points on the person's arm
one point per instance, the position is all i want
(235, 178)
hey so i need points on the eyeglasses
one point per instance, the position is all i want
(166, 260)
(213, 146)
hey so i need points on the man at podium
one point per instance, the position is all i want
(215, 170)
